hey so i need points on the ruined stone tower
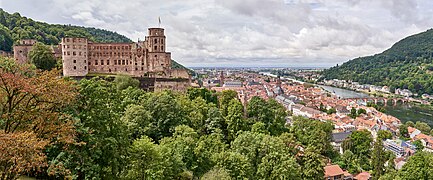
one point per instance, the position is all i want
(74, 56)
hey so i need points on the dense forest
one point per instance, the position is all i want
(407, 64)
(14, 27)
(57, 128)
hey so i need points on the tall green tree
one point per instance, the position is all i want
(378, 159)
(235, 119)
(42, 57)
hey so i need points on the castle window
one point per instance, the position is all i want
(84, 61)
(108, 62)
(75, 61)
(67, 46)
(90, 63)
(136, 69)
(142, 63)
(142, 68)
(156, 41)
(162, 48)
(79, 53)
(102, 62)
(156, 55)
(67, 40)
(85, 67)
(123, 62)
(69, 53)
(109, 70)
(126, 69)
(156, 47)
(115, 62)
(96, 62)
(64, 53)
(73, 53)
(162, 41)
(64, 46)
(75, 67)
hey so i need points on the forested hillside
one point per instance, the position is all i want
(14, 27)
(407, 64)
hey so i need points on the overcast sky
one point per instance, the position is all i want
(248, 32)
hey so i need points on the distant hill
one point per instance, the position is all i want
(176, 65)
(407, 64)
(14, 27)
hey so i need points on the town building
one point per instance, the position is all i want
(334, 172)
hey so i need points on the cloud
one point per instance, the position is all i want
(254, 32)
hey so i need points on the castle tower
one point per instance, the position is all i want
(74, 56)
(155, 47)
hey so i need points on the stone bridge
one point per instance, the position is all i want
(382, 100)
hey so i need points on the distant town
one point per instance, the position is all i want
(312, 101)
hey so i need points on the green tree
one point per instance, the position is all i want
(6, 41)
(207, 148)
(167, 113)
(123, 82)
(383, 135)
(209, 96)
(42, 57)
(313, 133)
(145, 160)
(216, 174)
(353, 113)
(410, 124)
(224, 100)
(423, 127)
(215, 121)
(312, 164)
(403, 131)
(236, 165)
(418, 145)
(138, 119)
(181, 145)
(419, 166)
(359, 142)
(361, 111)
(378, 159)
(235, 120)
(331, 111)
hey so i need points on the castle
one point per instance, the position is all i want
(143, 59)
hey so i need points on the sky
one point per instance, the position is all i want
(248, 33)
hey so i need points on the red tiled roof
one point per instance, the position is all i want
(333, 170)
(363, 176)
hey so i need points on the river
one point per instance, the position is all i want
(343, 93)
(404, 112)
